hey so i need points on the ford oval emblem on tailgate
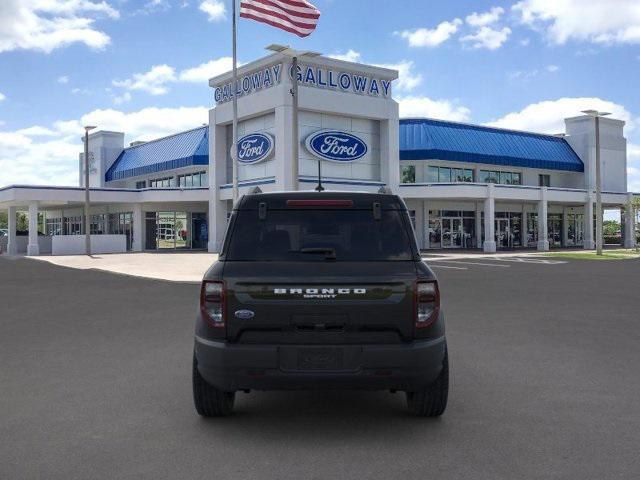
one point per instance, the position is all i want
(244, 314)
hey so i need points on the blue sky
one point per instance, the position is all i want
(141, 66)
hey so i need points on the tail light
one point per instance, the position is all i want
(427, 298)
(212, 302)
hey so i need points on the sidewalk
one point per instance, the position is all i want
(174, 267)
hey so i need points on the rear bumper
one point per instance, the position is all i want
(232, 367)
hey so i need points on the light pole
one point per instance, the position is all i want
(295, 145)
(596, 114)
(87, 217)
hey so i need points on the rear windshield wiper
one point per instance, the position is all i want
(330, 253)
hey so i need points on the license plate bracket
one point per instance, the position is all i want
(320, 359)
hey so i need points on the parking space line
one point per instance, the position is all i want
(539, 261)
(456, 262)
(446, 266)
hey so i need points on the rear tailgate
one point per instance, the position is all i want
(319, 302)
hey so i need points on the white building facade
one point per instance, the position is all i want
(466, 186)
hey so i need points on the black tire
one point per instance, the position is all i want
(209, 401)
(432, 401)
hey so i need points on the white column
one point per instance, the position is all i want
(629, 224)
(32, 246)
(589, 242)
(12, 246)
(543, 240)
(218, 176)
(390, 150)
(565, 227)
(478, 226)
(284, 140)
(425, 224)
(138, 220)
(489, 245)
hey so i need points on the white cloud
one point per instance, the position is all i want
(120, 99)
(420, 106)
(157, 80)
(45, 25)
(63, 79)
(203, 72)
(2, 96)
(349, 56)
(595, 21)
(154, 81)
(525, 42)
(486, 18)
(548, 116)
(407, 78)
(214, 9)
(49, 155)
(153, 6)
(424, 37)
(527, 75)
(633, 167)
(487, 37)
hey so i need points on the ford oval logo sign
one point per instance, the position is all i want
(255, 148)
(244, 314)
(336, 146)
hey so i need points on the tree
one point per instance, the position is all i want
(635, 212)
(610, 228)
(3, 220)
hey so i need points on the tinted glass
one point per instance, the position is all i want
(352, 234)
(505, 178)
(432, 174)
(445, 174)
(409, 174)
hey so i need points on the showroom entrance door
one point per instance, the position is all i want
(451, 233)
(504, 238)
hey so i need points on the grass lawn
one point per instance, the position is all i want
(619, 254)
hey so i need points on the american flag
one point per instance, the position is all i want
(294, 16)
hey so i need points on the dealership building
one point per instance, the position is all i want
(466, 186)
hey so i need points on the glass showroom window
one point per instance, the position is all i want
(122, 224)
(162, 182)
(199, 179)
(53, 226)
(452, 229)
(97, 224)
(142, 184)
(544, 180)
(73, 225)
(408, 174)
(447, 175)
(504, 178)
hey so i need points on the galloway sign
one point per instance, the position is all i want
(309, 76)
(255, 147)
(336, 146)
(248, 84)
(331, 79)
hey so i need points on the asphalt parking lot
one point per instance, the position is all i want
(95, 383)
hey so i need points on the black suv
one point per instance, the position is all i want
(320, 291)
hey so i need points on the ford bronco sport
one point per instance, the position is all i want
(320, 290)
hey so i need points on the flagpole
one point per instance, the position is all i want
(234, 146)
(294, 125)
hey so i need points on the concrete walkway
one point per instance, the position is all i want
(190, 266)
(174, 267)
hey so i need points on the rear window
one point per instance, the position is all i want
(309, 235)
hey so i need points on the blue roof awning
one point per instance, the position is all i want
(183, 149)
(427, 139)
